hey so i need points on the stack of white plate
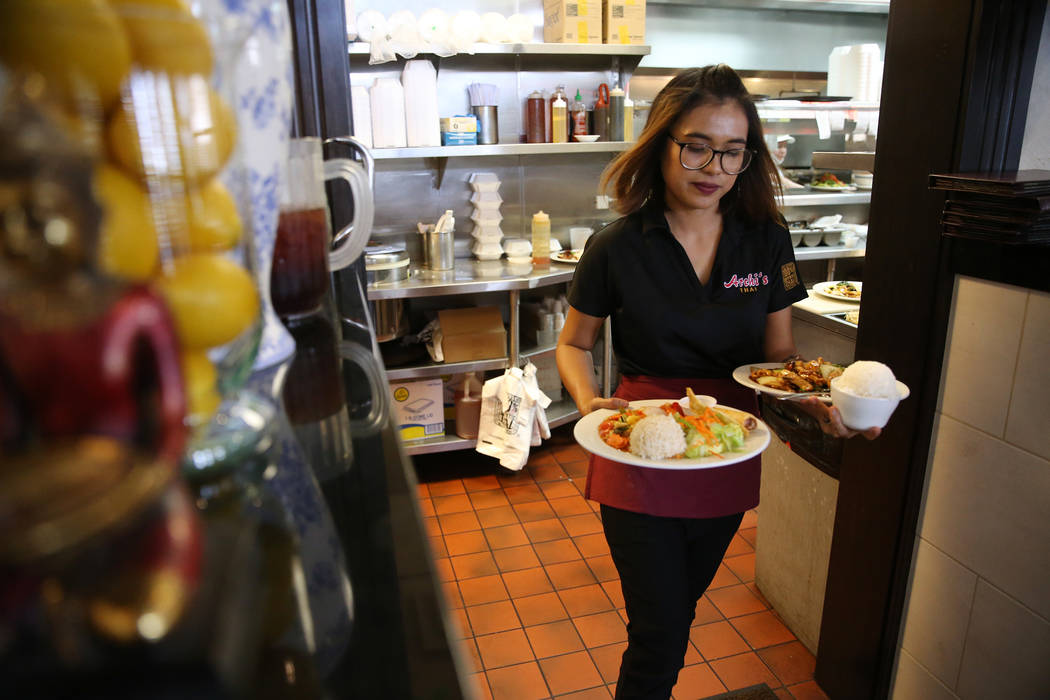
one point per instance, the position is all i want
(486, 216)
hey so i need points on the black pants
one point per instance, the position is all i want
(665, 565)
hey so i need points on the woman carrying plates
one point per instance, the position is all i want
(698, 278)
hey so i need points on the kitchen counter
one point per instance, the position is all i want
(800, 482)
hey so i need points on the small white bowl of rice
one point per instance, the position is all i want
(866, 394)
(657, 437)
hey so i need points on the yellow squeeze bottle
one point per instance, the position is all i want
(541, 239)
(559, 125)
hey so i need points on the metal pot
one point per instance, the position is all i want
(384, 265)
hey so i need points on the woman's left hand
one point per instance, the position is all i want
(830, 420)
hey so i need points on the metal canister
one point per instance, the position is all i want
(386, 263)
(439, 249)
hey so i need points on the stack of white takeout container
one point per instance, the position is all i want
(486, 217)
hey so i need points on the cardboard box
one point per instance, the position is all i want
(623, 21)
(465, 123)
(572, 21)
(419, 408)
(472, 334)
(459, 138)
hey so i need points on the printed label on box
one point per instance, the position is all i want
(420, 408)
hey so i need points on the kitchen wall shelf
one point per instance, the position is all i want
(558, 413)
(441, 369)
(818, 199)
(821, 252)
(534, 49)
(880, 7)
(471, 277)
(499, 149)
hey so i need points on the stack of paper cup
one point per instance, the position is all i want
(486, 217)
(856, 72)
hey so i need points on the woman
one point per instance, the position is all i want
(698, 277)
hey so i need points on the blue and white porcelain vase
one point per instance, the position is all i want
(262, 90)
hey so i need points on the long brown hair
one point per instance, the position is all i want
(635, 177)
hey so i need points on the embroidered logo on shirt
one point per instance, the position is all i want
(788, 274)
(747, 284)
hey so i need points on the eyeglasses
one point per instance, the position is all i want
(697, 156)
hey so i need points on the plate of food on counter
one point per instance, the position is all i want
(569, 257)
(843, 290)
(694, 432)
(830, 182)
(794, 378)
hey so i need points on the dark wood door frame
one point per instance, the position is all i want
(955, 95)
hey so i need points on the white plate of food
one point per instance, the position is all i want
(843, 290)
(828, 181)
(792, 379)
(570, 257)
(826, 187)
(737, 435)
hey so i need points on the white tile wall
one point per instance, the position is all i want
(984, 521)
(981, 352)
(1028, 424)
(986, 507)
(1007, 650)
(913, 682)
(938, 611)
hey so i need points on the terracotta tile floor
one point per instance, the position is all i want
(528, 577)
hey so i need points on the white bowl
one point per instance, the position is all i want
(832, 236)
(587, 138)
(862, 178)
(517, 247)
(864, 412)
(813, 238)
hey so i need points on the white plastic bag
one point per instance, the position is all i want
(512, 417)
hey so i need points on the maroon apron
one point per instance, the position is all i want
(686, 493)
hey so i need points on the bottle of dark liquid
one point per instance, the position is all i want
(601, 113)
(299, 275)
(535, 118)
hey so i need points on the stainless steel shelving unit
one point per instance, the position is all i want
(558, 413)
(474, 277)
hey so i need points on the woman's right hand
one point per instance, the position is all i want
(597, 402)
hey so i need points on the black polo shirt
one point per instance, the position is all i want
(664, 322)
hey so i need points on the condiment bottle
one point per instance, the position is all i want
(535, 118)
(468, 407)
(559, 93)
(616, 98)
(559, 126)
(628, 119)
(541, 239)
(579, 116)
(601, 113)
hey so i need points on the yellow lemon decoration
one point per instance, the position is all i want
(200, 378)
(127, 240)
(164, 36)
(193, 147)
(212, 299)
(212, 219)
(79, 46)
